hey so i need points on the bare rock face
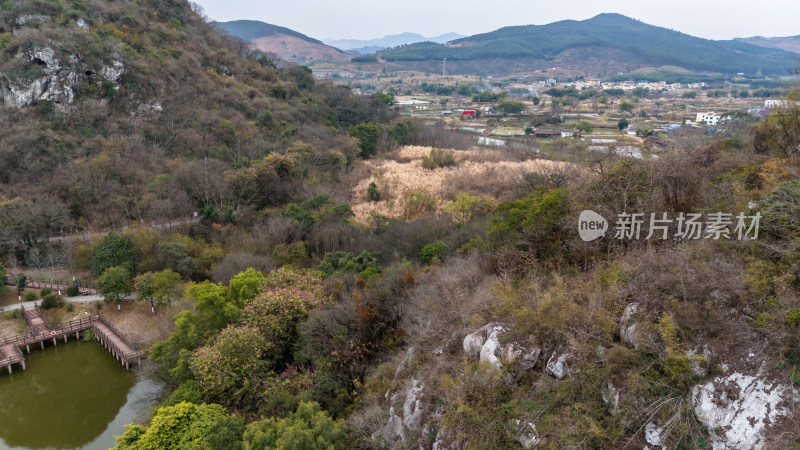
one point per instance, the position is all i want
(485, 345)
(59, 79)
(525, 433)
(628, 332)
(738, 408)
(557, 365)
(397, 427)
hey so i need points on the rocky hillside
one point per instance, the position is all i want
(135, 113)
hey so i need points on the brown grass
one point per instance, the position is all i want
(492, 173)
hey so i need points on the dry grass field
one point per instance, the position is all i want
(485, 172)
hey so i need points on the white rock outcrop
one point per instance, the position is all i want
(526, 434)
(737, 408)
(58, 82)
(557, 365)
(485, 345)
(629, 332)
(399, 427)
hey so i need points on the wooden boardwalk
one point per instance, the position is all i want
(40, 332)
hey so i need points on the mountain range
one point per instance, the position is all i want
(366, 46)
(604, 45)
(609, 36)
(789, 43)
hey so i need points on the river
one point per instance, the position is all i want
(72, 396)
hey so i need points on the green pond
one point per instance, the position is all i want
(74, 395)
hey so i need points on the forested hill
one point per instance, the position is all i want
(122, 111)
(247, 30)
(634, 41)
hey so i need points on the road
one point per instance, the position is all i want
(78, 299)
(88, 236)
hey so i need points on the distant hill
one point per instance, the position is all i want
(625, 41)
(373, 45)
(288, 44)
(247, 30)
(789, 43)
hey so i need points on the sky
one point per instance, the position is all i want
(368, 19)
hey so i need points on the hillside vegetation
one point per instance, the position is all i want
(352, 281)
(641, 43)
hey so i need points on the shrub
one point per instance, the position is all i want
(433, 250)
(342, 262)
(30, 296)
(70, 307)
(438, 158)
(73, 291)
(309, 427)
(417, 202)
(373, 194)
(50, 301)
(45, 292)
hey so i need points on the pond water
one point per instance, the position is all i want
(74, 395)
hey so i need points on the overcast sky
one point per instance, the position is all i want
(367, 19)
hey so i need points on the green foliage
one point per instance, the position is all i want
(185, 425)
(187, 392)
(677, 363)
(212, 311)
(584, 126)
(20, 282)
(317, 210)
(309, 428)
(367, 134)
(3, 279)
(417, 202)
(51, 301)
(622, 124)
(626, 107)
(341, 263)
(245, 286)
(488, 96)
(30, 296)
(233, 356)
(113, 250)
(466, 206)
(509, 106)
(433, 251)
(175, 257)
(373, 193)
(45, 292)
(73, 291)
(438, 158)
(5, 39)
(278, 310)
(158, 287)
(114, 283)
(537, 219)
(403, 131)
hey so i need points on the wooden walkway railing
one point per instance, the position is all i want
(104, 332)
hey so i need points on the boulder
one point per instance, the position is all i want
(485, 345)
(397, 428)
(557, 365)
(738, 408)
(525, 433)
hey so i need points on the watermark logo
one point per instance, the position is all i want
(591, 225)
(634, 226)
